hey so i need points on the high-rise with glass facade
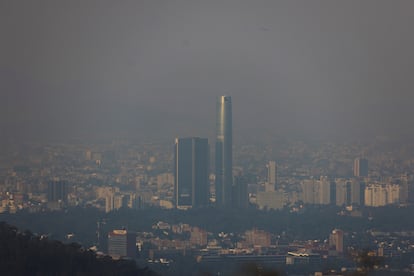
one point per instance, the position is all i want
(57, 190)
(191, 172)
(224, 153)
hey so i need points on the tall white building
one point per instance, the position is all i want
(393, 193)
(336, 240)
(361, 167)
(355, 192)
(377, 195)
(115, 201)
(308, 191)
(341, 191)
(323, 191)
(316, 191)
(272, 173)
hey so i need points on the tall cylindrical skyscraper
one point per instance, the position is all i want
(224, 152)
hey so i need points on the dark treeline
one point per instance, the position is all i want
(23, 253)
(310, 223)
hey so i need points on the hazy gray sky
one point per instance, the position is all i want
(320, 69)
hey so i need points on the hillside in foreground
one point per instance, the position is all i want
(22, 253)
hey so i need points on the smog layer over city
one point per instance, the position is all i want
(206, 137)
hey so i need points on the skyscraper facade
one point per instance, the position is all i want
(57, 190)
(361, 167)
(336, 240)
(224, 152)
(121, 244)
(191, 181)
(240, 196)
(271, 173)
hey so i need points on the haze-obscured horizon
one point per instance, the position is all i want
(315, 69)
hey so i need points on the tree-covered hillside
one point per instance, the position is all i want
(22, 253)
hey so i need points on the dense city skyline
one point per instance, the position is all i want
(112, 147)
(325, 70)
(318, 205)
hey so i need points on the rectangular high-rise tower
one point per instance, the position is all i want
(224, 152)
(121, 244)
(361, 167)
(271, 173)
(57, 190)
(191, 172)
